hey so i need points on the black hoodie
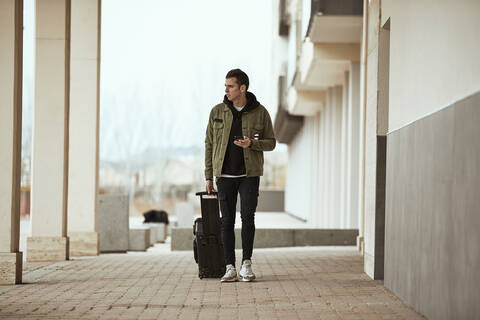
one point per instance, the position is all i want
(234, 163)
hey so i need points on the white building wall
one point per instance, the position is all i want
(433, 56)
(431, 212)
(279, 58)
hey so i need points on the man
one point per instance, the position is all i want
(238, 131)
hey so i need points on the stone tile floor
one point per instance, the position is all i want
(293, 283)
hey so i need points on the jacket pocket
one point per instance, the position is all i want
(218, 125)
(257, 132)
(217, 130)
(258, 158)
(217, 134)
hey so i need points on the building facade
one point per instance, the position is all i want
(319, 115)
(379, 104)
(380, 112)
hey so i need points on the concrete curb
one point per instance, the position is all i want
(182, 238)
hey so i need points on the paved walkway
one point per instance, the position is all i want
(293, 283)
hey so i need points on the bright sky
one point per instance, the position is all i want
(164, 63)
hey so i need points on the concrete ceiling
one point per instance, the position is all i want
(336, 29)
(323, 64)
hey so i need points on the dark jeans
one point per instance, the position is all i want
(228, 188)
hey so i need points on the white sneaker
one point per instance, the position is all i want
(230, 274)
(246, 273)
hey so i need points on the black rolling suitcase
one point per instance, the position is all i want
(207, 243)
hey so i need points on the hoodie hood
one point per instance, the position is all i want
(252, 102)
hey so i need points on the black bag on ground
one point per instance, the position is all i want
(155, 216)
(207, 243)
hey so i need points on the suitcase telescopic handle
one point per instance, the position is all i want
(205, 194)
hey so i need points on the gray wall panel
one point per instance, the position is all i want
(432, 243)
(465, 218)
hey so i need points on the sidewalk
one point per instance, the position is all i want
(293, 283)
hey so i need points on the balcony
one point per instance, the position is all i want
(323, 14)
(324, 64)
(332, 42)
(287, 126)
(305, 100)
(333, 31)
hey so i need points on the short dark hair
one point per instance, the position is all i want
(238, 74)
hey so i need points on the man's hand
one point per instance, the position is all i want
(243, 143)
(209, 187)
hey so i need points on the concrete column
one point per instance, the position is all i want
(11, 56)
(331, 148)
(376, 141)
(344, 179)
(352, 206)
(314, 215)
(84, 128)
(362, 138)
(327, 195)
(49, 241)
(322, 223)
(335, 154)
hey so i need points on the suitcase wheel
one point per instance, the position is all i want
(195, 253)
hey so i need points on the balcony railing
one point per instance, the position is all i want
(283, 27)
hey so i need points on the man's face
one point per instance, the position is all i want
(232, 89)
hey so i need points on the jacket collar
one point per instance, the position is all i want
(252, 103)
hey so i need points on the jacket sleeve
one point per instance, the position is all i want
(209, 149)
(268, 142)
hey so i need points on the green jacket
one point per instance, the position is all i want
(218, 131)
